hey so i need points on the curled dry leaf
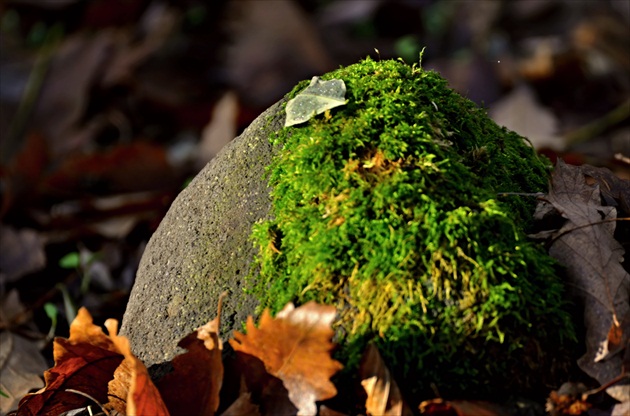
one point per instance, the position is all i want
(295, 347)
(132, 381)
(193, 386)
(383, 395)
(593, 258)
(97, 366)
(85, 362)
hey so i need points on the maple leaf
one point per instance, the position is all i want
(586, 246)
(383, 395)
(84, 362)
(295, 347)
(90, 365)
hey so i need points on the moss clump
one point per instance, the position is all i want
(389, 208)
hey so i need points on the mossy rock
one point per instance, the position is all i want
(406, 209)
(391, 208)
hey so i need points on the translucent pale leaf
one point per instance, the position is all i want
(318, 97)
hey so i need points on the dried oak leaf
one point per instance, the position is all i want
(383, 395)
(295, 347)
(586, 246)
(193, 386)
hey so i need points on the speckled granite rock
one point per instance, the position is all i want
(198, 251)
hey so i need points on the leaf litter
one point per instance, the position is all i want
(585, 245)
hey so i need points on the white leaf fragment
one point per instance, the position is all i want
(318, 97)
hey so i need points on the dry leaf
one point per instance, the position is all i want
(586, 246)
(85, 362)
(12, 312)
(132, 381)
(439, 407)
(567, 400)
(22, 253)
(193, 387)
(383, 395)
(621, 409)
(295, 347)
(267, 391)
(242, 406)
(221, 129)
(520, 112)
(99, 366)
(615, 191)
(21, 367)
(327, 411)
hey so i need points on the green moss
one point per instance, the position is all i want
(389, 208)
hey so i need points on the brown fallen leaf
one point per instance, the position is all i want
(90, 365)
(267, 392)
(615, 191)
(84, 362)
(586, 246)
(132, 382)
(295, 347)
(440, 407)
(327, 411)
(383, 395)
(518, 109)
(193, 386)
(242, 406)
(221, 128)
(22, 252)
(21, 367)
(567, 400)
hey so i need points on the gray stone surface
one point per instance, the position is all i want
(202, 248)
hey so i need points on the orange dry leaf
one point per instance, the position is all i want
(295, 347)
(87, 362)
(132, 382)
(193, 387)
(383, 395)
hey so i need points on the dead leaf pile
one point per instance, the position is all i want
(92, 368)
(588, 200)
(284, 366)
